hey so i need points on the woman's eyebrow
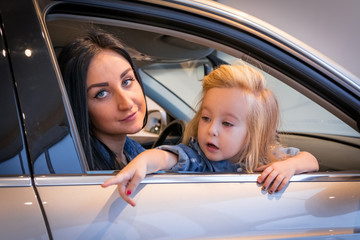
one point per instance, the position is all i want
(104, 84)
(125, 72)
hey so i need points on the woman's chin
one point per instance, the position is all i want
(133, 130)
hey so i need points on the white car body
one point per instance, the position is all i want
(48, 191)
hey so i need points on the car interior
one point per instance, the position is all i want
(172, 65)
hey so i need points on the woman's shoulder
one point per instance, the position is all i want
(132, 148)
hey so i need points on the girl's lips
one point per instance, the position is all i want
(211, 147)
(130, 117)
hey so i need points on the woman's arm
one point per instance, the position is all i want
(131, 175)
(275, 176)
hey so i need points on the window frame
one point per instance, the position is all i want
(301, 73)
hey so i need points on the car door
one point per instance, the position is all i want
(169, 205)
(21, 210)
(184, 205)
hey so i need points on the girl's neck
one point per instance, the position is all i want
(236, 158)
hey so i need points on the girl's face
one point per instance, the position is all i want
(115, 100)
(222, 127)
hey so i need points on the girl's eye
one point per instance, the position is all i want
(228, 124)
(206, 119)
(127, 81)
(101, 94)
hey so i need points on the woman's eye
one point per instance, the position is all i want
(127, 82)
(101, 94)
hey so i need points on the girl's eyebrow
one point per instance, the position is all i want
(226, 114)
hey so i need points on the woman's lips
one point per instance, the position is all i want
(130, 117)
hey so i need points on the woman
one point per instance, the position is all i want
(107, 97)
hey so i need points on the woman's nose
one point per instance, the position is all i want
(124, 101)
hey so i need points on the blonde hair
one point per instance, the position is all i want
(262, 119)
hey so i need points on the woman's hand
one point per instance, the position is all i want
(128, 179)
(275, 176)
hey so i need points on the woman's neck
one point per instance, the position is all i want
(116, 145)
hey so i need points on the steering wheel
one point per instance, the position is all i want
(174, 129)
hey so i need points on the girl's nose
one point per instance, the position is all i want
(124, 101)
(213, 130)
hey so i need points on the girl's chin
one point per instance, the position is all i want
(213, 158)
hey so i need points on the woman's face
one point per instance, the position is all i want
(115, 100)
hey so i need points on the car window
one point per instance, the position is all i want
(174, 85)
(183, 79)
(304, 123)
(298, 113)
(41, 111)
(13, 160)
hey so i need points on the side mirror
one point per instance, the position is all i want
(156, 121)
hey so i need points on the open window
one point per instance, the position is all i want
(172, 64)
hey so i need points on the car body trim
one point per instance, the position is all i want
(163, 177)
(15, 181)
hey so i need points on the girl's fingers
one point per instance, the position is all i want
(269, 179)
(264, 174)
(112, 181)
(283, 184)
(261, 168)
(275, 176)
(125, 194)
(133, 184)
(276, 183)
(126, 190)
(127, 184)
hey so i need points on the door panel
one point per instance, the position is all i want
(21, 217)
(201, 206)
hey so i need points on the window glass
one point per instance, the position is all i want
(298, 113)
(183, 79)
(12, 154)
(304, 124)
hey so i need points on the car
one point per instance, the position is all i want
(47, 189)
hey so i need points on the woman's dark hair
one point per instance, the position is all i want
(74, 61)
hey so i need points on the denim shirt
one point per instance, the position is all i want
(191, 158)
(131, 150)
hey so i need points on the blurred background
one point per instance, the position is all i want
(329, 26)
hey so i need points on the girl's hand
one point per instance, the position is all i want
(275, 176)
(128, 179)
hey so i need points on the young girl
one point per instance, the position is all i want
(234, 130)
